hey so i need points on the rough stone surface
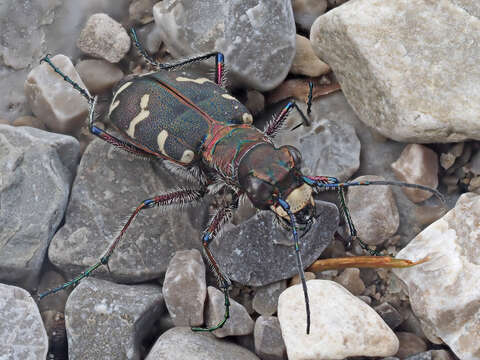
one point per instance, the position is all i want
(431, 355)
(36, 169)
(22, 334)
(257, 39)
(417, 164)
(31, 121)
(268, 339)
(258, 251)
(373, 210)
(239, 323)
(185, 289)
(109, 321)
(265, 300)
(181, 343)
(62, 108)
(350, 280)
(399, 80)
(410, 344)
(307, 11)
(98, 75)
(105, 38)
(106, 190)
(329, 146)
(444, 292)
(354, 328)
(305, 61)
(140, 11)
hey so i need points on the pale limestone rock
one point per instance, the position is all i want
(445, 291)
(105, 38)
(417, 164)
(305, 61)
(350, 279)
(408, 68)
(54, 101)
(342, 325)
(373, 210)
(22, 334)
(267, 335)
(185, 289)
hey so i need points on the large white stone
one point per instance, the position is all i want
(445, 291)
(341, 324)
(408, 68)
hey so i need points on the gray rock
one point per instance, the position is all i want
(36, 169)
(307, 11)
(350, 280)
(373, 210)
(181, 343)
(109, 321)
(105, 38)
(259, 252)
(329, 146)
(140, 11)
(417, 164)
(239, 323)
(268, 339)
(185, 288)
(98, 75)
(22, 335)
(409, 344)
(31, 121)
(257, 39)
(341, 324)
(431, 355)
(447, 286)
(265, 300)
(389, 314)
(397, 82)
(108, 187)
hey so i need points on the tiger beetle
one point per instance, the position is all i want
(207, 134)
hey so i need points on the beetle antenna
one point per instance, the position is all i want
(298, 258)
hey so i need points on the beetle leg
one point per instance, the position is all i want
(219, 59)
(177, 197)
(278, 120)
(222, 216)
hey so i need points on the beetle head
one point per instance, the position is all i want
(267, 174)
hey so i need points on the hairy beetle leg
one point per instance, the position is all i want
(177, 197)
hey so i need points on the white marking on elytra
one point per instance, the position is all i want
(247, 118)
(114, 103)
(229, 97)
(187, 156)
(161, 138)
(142, 115)
(198, 81)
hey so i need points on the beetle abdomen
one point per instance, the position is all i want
(171, 114)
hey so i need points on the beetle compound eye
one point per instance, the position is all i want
(259, 192)
(296, 155)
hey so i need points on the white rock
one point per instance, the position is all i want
(408, 68)
(342, 325)
(62, 108)
(22, 334)
(445, 291)
(104, 37)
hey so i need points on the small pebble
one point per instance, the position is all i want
(389, 314)
(269, 343)
(255, 102)
(417, 164)
(105, 38)
(265, 301)
(305, 61)
(31, 121)
(99, 75)
(140, 11)
(409, 344)
(296, 279)
(350, 280)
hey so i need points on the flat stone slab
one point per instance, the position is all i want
(22, 334)
(409, 69)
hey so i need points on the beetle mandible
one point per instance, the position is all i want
(197, 124)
